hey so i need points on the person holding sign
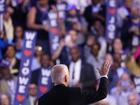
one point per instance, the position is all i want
(61, 94)
(41, 76)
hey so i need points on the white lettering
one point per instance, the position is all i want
(25, 71)
(111, 27)
(111, 35)
(23, 80)
(28, 44)
(26, 63)
(112, 20)
(46, 73)
(21, 89)
(30, 35)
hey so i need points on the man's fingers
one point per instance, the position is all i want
(107, 64)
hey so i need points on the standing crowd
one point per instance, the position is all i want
(72, 32)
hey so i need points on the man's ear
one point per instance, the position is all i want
(65, 78)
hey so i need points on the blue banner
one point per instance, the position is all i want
(45, 82)
(25, 68)
(2, 6)
(111, 19)
(137, 84)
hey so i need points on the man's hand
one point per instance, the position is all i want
(106, 66)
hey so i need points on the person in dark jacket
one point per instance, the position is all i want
(45, 65)
(61, 94)
(81, 72)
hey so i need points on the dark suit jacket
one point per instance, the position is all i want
(61, 95)
(87, 76)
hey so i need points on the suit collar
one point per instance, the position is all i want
(60, 85)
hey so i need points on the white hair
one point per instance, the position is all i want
(58, 73)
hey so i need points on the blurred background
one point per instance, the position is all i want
(72, 32)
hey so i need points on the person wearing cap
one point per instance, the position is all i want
(8, 81)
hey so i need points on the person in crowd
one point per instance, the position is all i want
(117, 50)
(123, 12)
(80, 4)
(130, 32)
(8, 81)
(32, 94)
(95, 59)
(91, 40)
(95, 11)
(123, 89)
(19, 15)
(5, 99)
(133, 99)
(37, 58)
(18, 40)
(81, 73)
(117, 46)
(10, 55)
(8, 25)
(62, 53)
(38, 20)
(81, 31)
(71, 39)
(45, 66)
(98, 30)
(72, 16)
(63, 95)
(116, 70)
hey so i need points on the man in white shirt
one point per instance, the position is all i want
(81, 73)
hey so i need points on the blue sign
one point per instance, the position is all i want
(111, 19)
(137, 83)
(2, 6)
(25, 68)
(45, 82)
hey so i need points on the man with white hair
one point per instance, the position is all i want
(61, 94)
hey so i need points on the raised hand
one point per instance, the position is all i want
(106, 66)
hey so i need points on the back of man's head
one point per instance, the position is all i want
(60, 74)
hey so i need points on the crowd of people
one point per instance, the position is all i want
(72, 32)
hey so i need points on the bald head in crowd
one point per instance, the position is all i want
(60, 74)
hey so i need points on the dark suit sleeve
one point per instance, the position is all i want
(91, 96)
(41, 101)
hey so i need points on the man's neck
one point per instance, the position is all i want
(56, 84)
(45, 67)
(76, 60)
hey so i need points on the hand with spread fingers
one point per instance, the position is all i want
(106, 66)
